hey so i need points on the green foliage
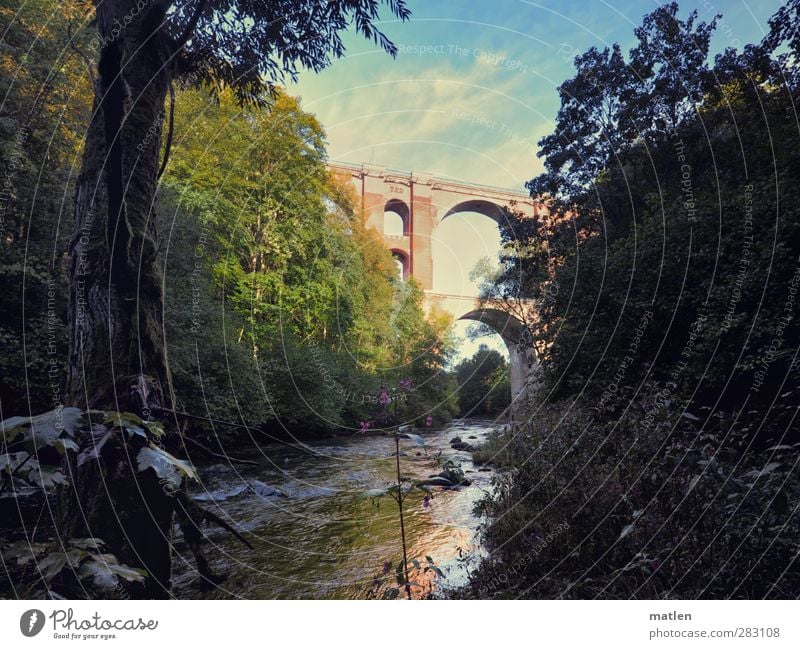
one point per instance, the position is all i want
(79, 566)
(295, 313)
(679, 235)
(44, 87)
(651, 505)
(665, 282)
(484, 387)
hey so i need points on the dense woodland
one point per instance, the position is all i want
(180, 271)
(661, 459)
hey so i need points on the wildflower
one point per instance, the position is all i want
(428, 420)
(405, 384)
(386, 567)
(364, 426)
(384, 398)
(426, 502)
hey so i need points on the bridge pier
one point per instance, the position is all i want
(422, 201)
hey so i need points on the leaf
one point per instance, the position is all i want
(42, 430)
(11, 428)
(155, 428)
(769, 468)
(51, 565)
(166, 466)
(47, 477)
(417, 439)
(690, 416)
(105, 569)
(90, 543)
(128, 421)
(23, 552)
(626, 531)
(64, 444)
(693, 483)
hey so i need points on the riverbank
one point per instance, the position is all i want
(314, 537)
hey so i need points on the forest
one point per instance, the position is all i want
(662, 451)
(185, 282)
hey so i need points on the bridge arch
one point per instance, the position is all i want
(493, 210)
(396, 218)
(521, 356)
(402, 263)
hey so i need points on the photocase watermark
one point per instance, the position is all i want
(83, 268)
(195, 280)
(153, 131)
(500, 579)
(119, 26)
(627, 360)
(66, 626)
(722, 27)
(494, 125)
(671, 386)
(489, 57)
(31, 622)
(53, 366)
(744, 259)
(13, 161)
(687, 188)
(786, 317)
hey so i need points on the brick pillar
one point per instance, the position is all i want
(423, 219)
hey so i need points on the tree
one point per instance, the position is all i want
(117, 358)
(483, 383)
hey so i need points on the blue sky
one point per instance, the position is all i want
(471, 92)
(474, 85)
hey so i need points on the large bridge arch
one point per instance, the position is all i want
(521, 356)
(491, 209)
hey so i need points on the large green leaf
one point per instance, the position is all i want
(47, 476)
(128, 421)
(166, 466)
(42, 430)
(105, 570)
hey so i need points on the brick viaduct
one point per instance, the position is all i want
(417, 203)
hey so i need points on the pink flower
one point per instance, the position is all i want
(384, 398)
(426, 502)
(405, 384)
(428, 420)
(364, 426)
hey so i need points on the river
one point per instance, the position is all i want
(320, 539)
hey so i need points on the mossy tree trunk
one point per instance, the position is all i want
(117, 358)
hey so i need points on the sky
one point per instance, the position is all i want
(473, 89)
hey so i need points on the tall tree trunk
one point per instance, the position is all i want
(117, 356)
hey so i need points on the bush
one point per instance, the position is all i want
(656, 503)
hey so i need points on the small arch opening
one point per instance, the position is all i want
(401, 265)
(396, 219)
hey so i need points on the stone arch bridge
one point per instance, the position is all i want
(416, 204)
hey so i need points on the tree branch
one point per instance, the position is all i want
(191, 25)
